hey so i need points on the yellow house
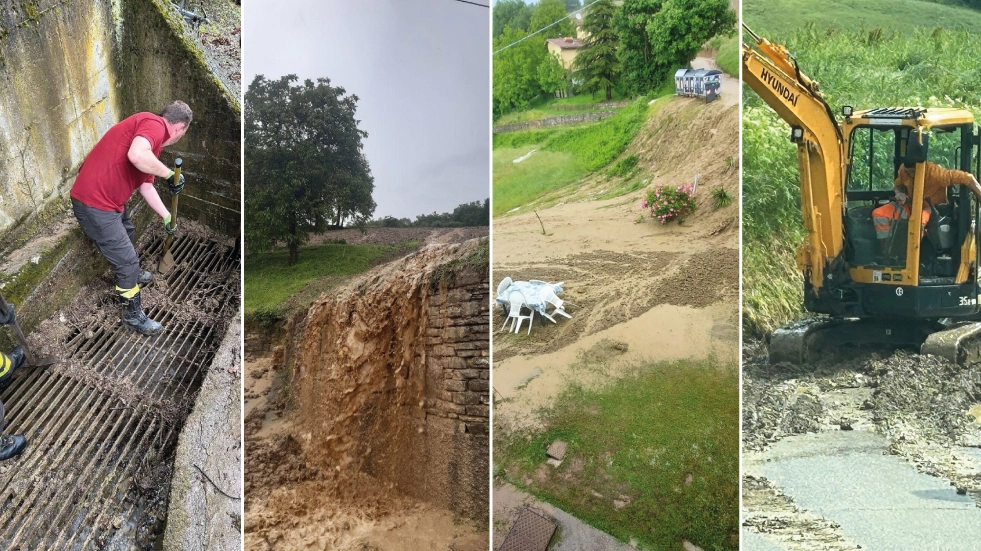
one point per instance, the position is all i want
(565, 48)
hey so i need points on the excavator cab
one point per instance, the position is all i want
(920, 263)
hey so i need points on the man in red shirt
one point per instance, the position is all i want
(124, 160)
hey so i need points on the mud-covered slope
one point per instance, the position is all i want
(390, 380)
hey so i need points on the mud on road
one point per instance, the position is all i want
(927, 409)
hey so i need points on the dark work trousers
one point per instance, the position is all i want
(112, 233)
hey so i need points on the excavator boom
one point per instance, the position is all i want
(771, 72)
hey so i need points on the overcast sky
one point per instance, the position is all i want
(420, 69)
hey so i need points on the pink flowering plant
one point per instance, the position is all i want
(668, 204)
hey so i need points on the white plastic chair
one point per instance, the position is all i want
(517, 300)
(505, 283)
(549, 296)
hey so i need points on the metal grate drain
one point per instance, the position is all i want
(96, 471)
(531, 531)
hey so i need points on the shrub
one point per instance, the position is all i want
(721, 197)
(668, 204)
(624, 165)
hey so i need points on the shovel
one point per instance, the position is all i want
(167, 261)
(43, 361)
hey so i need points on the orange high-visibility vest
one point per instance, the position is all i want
(884, 216)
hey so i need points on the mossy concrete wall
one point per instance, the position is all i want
(57, 97)
(157, 62)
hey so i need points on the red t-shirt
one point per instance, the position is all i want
(107, 179)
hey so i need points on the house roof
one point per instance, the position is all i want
(567, 43)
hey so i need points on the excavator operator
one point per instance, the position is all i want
(885, 217)
(936, 179)
(12, 445)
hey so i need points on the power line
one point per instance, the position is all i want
(541, 29)
(474, 3)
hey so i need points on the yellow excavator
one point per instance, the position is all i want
(911, 281)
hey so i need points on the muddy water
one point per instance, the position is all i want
(664, 333)
(374, 456)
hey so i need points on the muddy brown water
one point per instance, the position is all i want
(333, 458)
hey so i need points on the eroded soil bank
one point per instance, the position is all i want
(368, 429)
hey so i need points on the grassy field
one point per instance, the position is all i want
(924, 67)
(563, 155)
(269, 281)
(784, 16)
(517, 184)
(665, 439)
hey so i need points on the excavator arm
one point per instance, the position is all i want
(771, 72)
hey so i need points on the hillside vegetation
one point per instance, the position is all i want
(561, 156)
(784, 16)
(928, 66)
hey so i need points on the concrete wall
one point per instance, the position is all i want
(391, 377)
(199, 515)
(560, 120)
(57, 97)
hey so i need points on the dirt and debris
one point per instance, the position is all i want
(220, 38)
(921, 405)
(637, 291)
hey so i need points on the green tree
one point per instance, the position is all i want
(572, 5)
(304, 165)
(552, 75)
(548, 12)
(511, 13)
(637, 68)
(678, 31)
(596, 62)
(656, 36)
(515, 81)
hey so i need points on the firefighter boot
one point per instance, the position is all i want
(9, 363)
(133, 315)
(11, 445)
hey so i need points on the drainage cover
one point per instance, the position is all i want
(531, 531)
(102, 425)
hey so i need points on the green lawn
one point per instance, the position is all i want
(666, 437)
(269, 281)
(563, 155)
(516, 184)
(784, 16)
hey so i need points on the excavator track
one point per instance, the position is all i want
(807, 340)
(960, 344)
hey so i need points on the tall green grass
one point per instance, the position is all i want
(784, 16)
(596, 145)
(925, 67)
(638, 439)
